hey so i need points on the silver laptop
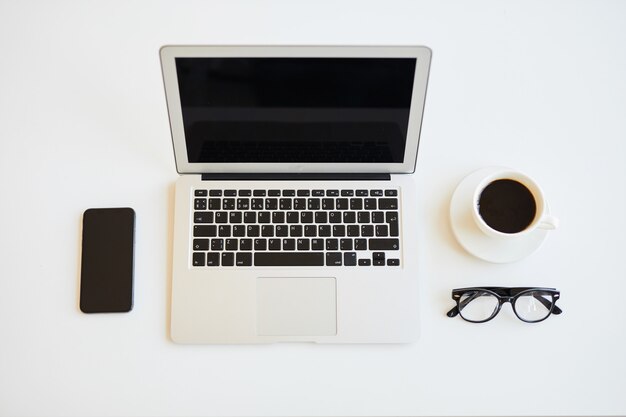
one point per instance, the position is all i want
(295, 209)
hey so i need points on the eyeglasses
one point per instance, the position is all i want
(481, 304)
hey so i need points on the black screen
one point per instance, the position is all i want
(295, 109)
(106, 281)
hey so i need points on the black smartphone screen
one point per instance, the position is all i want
(106, 277)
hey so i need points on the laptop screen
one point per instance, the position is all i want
(277, 110)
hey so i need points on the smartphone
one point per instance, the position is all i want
(106, 274)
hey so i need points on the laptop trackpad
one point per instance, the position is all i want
(296, 306)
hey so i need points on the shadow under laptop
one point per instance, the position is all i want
(169, 258)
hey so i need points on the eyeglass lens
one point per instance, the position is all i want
(533, 305)
(478, 305)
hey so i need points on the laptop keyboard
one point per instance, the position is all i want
(304, 227)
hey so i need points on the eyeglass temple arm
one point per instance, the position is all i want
(453, 312)
(547, 304)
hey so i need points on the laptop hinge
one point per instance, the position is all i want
(289, 176)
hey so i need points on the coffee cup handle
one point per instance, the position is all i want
(548, 222)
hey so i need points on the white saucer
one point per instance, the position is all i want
(474, 240)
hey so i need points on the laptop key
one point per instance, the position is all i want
(203, 217)
(289, 259)
(365, 262)
(217, 244)
(289, 244)
(244, 259)
(391, 193)
(256, 204)
(239, 230)
(339, 230)
(231, 244)
(215, 204)
(228, 259)
(342, 204)
(317, 244)
(273, 193)
(392, 221)
(249, 217)
(303, 244)
(271, 204)
(376, 193)
(245, 244)
(393, 262)
(334, 217)
(378, 258)
(215, 193)
(230, 193)
(201, 244)
(285, 204)
(223, 231)
(360, 244)
(333, 258)
(299, 203)
(370, 204)
(353, 230)
(293, 217)
(204, 231)
(264, 216)
(228, 204)
(349, 258)
(198, 259)
(243, 204)
(289, 193)
(260, 244)
(213, 259)
(199, 204)
(200, 193)
(245, 193)
(274, 244)
(387, 203)
(235, 217)
(282, 230)
(378, 217)
(361, 193)
(258, 193)
(356, 204)
(384, 244)
(345, 244)
(313, 204)
(367, 230)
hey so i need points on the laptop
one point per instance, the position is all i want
(295, 211)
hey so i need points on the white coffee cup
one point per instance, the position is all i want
(506, 201)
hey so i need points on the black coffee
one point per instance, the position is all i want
(507, 206)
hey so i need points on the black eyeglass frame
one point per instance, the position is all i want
(506, 295)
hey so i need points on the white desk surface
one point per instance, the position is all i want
(538, 86)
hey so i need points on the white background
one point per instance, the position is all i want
(538, 86)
